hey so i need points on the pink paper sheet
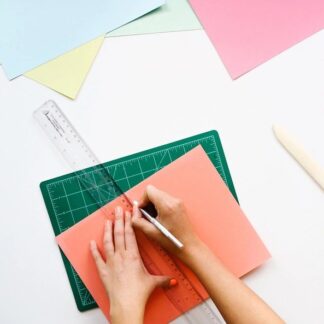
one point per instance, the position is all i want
(214, 213)
(250, 32)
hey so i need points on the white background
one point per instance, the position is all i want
(148, 90)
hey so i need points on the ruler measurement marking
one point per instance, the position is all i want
(221, 166)
(78, 283)
(68, 203)
(140, 166)
(115, 169)
(129, 186)
(155, 162)
(164, 154)
(76, 209)
(149, 154)
(170, 156)
(96, 187)
(126, 178)
(85, 204)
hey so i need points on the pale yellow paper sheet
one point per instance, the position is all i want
(66, 73)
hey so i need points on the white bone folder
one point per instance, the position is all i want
(297, 151)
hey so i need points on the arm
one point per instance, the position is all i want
(122, 272)
(236, 302)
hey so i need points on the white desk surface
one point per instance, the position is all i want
(148, 90)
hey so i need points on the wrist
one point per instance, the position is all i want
(200, 254)
(191, 250)
(121, 314)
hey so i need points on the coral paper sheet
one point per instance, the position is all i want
(217, 218)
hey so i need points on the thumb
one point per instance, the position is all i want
(164, 281)
(146, 227)
(155, 196)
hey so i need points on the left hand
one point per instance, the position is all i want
(126, 280)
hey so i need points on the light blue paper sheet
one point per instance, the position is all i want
(33, 32)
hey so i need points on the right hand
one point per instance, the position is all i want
(171, 213)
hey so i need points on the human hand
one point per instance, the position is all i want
(171, 214)
(123, 274)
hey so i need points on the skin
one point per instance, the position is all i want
(123, 274)
(126, 279)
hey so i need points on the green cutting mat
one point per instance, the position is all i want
(67, 202)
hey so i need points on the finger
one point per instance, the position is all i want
(97, 256)
(164, 281)
(146, 227)
(136, 212)
(155, 196)
(130, 239)
(108, 239)
(119, 233)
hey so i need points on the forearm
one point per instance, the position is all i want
(120, 315)
(236, 302)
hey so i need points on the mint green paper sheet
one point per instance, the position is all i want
(175, 15)
(33, 32)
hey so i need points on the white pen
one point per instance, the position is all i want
(160, 227)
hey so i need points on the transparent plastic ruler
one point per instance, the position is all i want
(79, 155)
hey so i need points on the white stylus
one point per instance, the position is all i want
(296, 150)
(162, 229)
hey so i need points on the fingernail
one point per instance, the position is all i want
(173, 282)
(135, 203)
(118, 212)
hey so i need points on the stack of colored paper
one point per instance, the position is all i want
(55, 43)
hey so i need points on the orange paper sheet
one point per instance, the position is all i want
(214, 213)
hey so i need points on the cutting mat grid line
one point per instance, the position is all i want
(68, 202)
(191, 144)
(70, 198)
(101, 187)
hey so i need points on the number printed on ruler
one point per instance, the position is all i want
(64, 136)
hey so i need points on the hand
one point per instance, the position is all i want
(236, 302)
(171, 214)
(126, 280)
